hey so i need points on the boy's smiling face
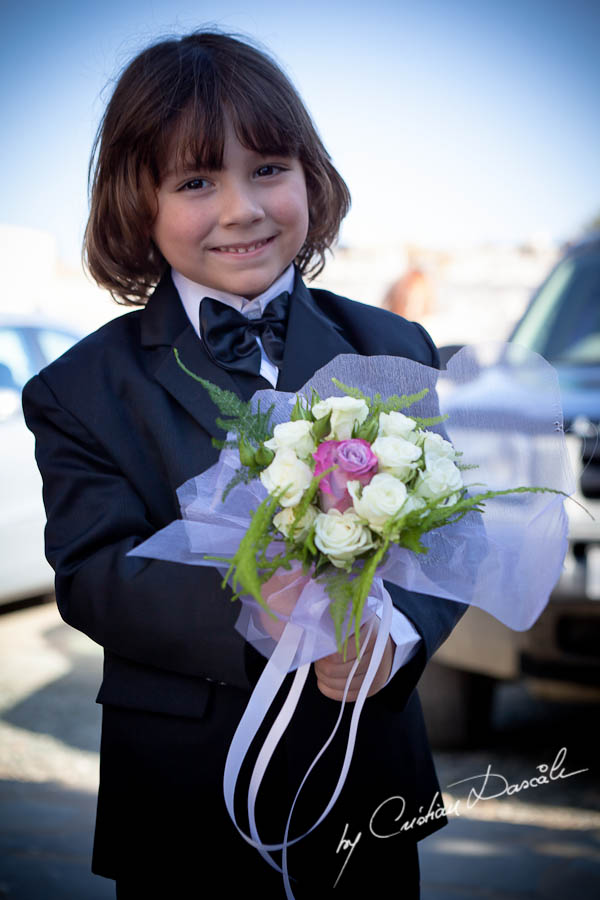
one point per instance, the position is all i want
(236, 229)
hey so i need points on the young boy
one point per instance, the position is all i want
(212, 184)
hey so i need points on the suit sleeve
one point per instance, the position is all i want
(172, 617)
(435, 356)
(434, 618)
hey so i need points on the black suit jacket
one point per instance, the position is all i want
(119, 427)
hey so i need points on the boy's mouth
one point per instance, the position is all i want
(241, 249)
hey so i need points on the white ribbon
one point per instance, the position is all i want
(262, 697)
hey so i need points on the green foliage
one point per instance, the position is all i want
(362, 586)
(244, 565)
(242, 476)
(322, 427)
(349, 592)
(246, 452)
(252, 427)
(396, 403)
(220, 445)
(351, 391)
(263, 457)
(407, 530)
(308, 497)
(314, 398)
(428, 422)
(367, 431)
(393, 404)
(301, 411)
(341, 591)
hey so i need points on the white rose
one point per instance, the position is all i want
(379, 501)
(341, 536)
(284, 519)
(435, 447)
(438, 479)
(287, 471)
(294, 436)
(396, 456)
(345, 411)
(397, 425)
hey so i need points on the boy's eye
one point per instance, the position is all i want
(194, 184)
(269, 169)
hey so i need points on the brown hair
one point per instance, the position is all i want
(184, 88)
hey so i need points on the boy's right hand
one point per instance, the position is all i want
(332, 671)
(281, 593)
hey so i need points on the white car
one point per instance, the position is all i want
(26, 346)
(558, 658)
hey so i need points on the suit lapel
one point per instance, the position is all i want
(312, 340)
(165, 326)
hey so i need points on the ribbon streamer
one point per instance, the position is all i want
(262, 697)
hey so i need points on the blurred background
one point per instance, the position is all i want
(468, 134)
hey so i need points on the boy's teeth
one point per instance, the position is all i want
(242, 249)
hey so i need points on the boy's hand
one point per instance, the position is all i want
(280, 593)
(332, 671)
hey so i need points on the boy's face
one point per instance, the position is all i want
(236, 229)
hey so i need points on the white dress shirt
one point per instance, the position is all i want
(403, 633)
(192, 295)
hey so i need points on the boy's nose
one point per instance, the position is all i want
(240, 206)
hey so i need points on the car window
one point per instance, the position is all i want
(15, 365)
(54, 343)
(563, 322)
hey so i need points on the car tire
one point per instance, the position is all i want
(457, 706)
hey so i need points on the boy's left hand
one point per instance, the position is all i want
(332, 671)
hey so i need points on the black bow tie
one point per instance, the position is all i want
(230, 337)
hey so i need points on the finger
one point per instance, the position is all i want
(338, 682)
(350, 653)
(336, 693)
(335, 679)
(330, 668)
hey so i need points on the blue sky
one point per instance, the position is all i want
(451, 122)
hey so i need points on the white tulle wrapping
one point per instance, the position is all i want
(505, 418)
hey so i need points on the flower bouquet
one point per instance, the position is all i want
(345, 478)
(351, 485)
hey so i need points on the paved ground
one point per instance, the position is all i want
(542, 843)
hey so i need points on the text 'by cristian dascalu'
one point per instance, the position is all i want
(386, 820)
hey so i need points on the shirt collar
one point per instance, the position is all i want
(192, 294)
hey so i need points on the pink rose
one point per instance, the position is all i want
(355, 461)
(325, 456)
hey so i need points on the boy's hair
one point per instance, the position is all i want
(180, 91)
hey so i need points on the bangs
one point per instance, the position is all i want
(195, 126)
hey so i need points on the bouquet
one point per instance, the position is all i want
(351, 485)
(346, 476)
